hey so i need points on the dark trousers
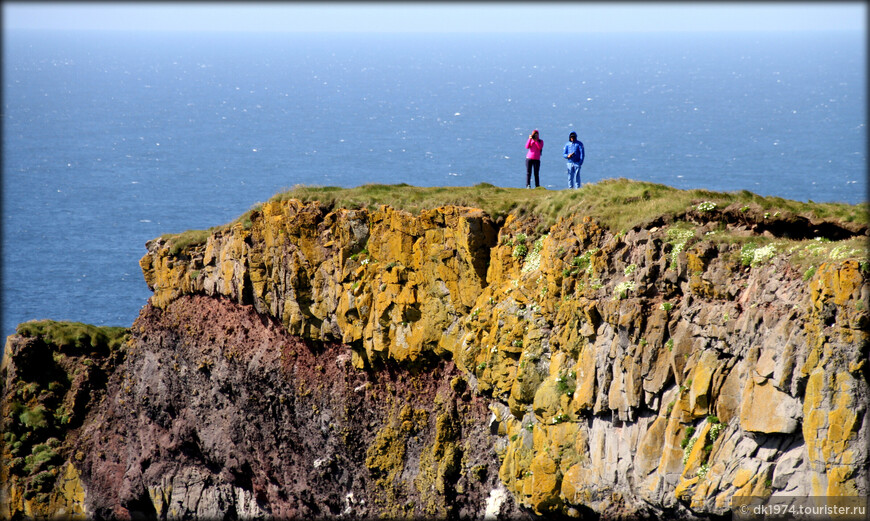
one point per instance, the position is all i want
(533, 164)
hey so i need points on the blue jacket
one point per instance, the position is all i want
(575, 148)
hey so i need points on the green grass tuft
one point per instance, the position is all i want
(34, 418)
(75, 335)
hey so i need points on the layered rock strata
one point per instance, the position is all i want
(351, 363)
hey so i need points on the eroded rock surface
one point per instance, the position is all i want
(217, 411)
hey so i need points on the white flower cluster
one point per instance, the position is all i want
(843, 252)
(621, 289)
(715, 429)
(678, 238)
(762, 255)
(706, 206)
(533, 259)
(751, 255)
(533, 262)
(688, 449)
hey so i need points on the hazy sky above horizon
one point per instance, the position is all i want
(437, 16)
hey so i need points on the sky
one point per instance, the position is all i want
(437, 16)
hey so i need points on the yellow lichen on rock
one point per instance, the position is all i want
(439, 466)
(66, 500)
(764, 408)
(545, 481)
(699, 390)
(385, 456)
(396, 282)
(832, 410)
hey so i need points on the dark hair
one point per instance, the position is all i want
(572, 134)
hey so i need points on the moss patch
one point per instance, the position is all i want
(57, 367)
(75, 336)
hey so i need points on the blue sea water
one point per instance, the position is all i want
(111, 139)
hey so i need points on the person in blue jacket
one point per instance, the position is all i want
(574, 153)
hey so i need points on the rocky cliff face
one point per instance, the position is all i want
(328, 362)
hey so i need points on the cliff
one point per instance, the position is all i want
(660, 353)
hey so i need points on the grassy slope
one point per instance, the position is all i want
(618, 204)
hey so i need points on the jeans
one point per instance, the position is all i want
(573, 174)
(533, 164)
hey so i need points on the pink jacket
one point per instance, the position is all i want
(535, 148)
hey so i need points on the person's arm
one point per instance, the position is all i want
(582, 152)
(529, 143)
(565, 152)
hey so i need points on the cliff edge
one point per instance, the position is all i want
(662, 355)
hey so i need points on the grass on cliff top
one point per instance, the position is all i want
(619, 204)
(74, 335)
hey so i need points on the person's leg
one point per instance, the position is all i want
(570, 176)
(528, 172)
(578, 176)
(537, 166)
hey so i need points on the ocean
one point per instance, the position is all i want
(111, 139)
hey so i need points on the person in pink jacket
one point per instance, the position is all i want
(533, 158)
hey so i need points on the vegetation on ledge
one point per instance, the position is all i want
(618, 204)
(60, 367)
(75, 335)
